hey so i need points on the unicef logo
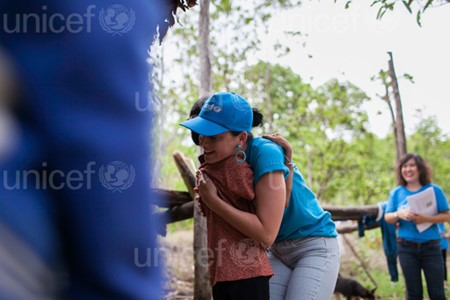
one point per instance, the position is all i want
(246, 253)
(213, 107)
(116, 176)
(117, 19)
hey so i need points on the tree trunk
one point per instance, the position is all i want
(391, 110)
(399, 124)
(205, 57)
(202, 288)
(267, 98)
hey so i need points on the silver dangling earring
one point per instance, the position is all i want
(240, 153)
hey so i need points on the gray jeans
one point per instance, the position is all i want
(305, 268)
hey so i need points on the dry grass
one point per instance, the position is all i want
(179, 265)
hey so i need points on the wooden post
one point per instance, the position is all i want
(202, 287)
(187, 171)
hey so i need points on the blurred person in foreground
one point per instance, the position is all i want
(418, 247)
(75, 198)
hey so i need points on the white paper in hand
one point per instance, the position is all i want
(423, 203)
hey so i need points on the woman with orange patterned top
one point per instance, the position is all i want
(238, 265)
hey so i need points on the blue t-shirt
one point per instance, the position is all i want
(303, 217)
(407, 229)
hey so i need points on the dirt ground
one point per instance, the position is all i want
(178, 253)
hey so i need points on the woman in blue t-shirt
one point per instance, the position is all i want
(304, 252)
(419, 240)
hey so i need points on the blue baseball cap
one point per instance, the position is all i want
(222, 112)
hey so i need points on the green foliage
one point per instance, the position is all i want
(431, 144)
(325, 125)
(185, 225)
(234, 37)
(342, 162)
(418, 6)
(370, 174)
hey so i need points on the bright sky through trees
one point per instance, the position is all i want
(351, 44)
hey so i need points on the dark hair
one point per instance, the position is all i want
(258, 118)
(197, 107)
(195, 111)
(423, 167)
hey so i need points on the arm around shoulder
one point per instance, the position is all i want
(270, 195)
(262, 226)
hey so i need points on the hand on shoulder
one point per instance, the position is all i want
(282, 142)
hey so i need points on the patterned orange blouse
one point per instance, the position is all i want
(232, 255)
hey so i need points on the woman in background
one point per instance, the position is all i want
(418, 250)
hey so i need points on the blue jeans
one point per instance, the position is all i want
(304, 268)
(427, 257)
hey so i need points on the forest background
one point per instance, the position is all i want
(340, 152)
(338, 121)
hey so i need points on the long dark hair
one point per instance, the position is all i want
(258, 119)
(422, 165)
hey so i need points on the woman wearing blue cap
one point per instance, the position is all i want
(238, 266)
(304, 253)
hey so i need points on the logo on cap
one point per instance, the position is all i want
(211, 106)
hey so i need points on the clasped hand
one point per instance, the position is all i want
(205, 189)
(409, 215)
